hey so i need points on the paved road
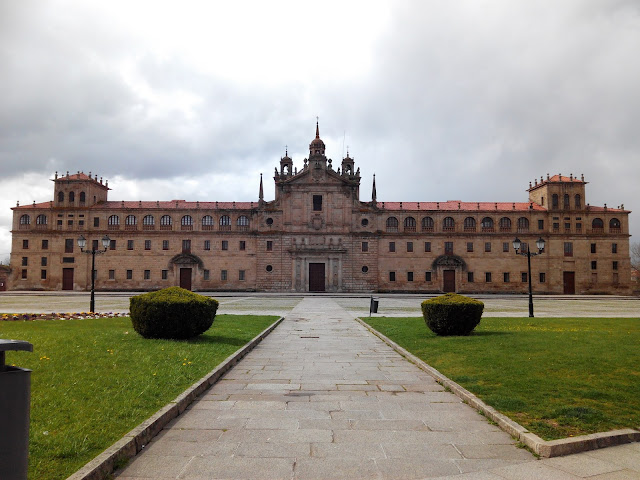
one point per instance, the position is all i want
(322, 398)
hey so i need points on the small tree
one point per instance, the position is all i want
(635, 255)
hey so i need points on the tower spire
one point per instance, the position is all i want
(317, 127)
(373, 190)
(261, 194)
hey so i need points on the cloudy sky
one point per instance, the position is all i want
(442, 100)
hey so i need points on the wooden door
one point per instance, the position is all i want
(316, 277)
(185, 278)
(67, 278)
(449, 277)
(569, 282)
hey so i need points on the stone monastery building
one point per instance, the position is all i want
(318, 236)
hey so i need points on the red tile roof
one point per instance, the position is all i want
(453, 205)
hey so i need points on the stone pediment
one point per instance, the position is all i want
(449, 261)
(186, 259)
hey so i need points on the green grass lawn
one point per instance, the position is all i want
(94, 380)
(558, 377)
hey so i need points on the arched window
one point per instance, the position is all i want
(392, 224)
(60, 197)
(487, 224)
(448, 224)
(130, 220)
(566, 201)
(207, 222)
(72, 197)
(165, 222)
(554, 200)
(25, 220)
(577, 201)
(469, 224)
(505, 224)
(409, 224)
(614, 225)
(41, 219)
(225, 222)
(113, 222)
(243, 222)
(83, 197)
(148, 222)
(186, 222)
(597, 225)
(523, 224)
(427, 224)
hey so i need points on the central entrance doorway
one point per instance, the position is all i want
(185, 278)
(316, 277)
(449, 277)
(67, 278)
(569, 283)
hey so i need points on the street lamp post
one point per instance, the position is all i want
(82, 242)
(540, 244)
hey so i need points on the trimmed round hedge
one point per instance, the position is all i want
(452, 314)
(173, 313)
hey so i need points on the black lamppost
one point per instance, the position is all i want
(540, 244)
(82, 242)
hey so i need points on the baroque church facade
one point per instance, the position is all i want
(318, 236)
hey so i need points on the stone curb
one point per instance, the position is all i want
(135, 440)
(543, 448)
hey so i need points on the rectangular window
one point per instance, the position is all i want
(567, 226)
(269, 245)
(112, 274)
(70, 223)
(112, 245)
(206, 274)
(129, 274)
(524, 277)
(487, 246)
(614, 248)
(45, 244)
(392, 276)
(68, 245)
(25, 261)
(365, 246)
(615, 265)
(410, 276)
(540, 224)
(96, 221)
(427, 246)
(24, 273)
(147, 244)
(43, 274)
(147, 274)
(186, 246)
(427, 276)
(68, 260)
(129, 244)
(242, 245)
(223, 275)
(43, 262)
(165, 274)
(469, 246)
(392, 246)
(470, 277)
(487, 277)
(543, 277)
(207, 244)
(568, 249)
(94, 245)
(593, 248)
(448, 248)
(578, 227)
(165, 244)
(594, 265)
(409, 247)
(25, 244)
(241, 275)
(506, 277)
(505, 247)
(225, 245)
(317, 203)
(81, 223)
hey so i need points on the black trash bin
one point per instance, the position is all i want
(373, 307)
(15, 398)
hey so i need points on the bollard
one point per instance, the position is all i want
(15, 398)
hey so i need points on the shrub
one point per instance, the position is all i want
(452, 314)
(173, 313)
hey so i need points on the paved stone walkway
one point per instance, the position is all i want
(322, 398)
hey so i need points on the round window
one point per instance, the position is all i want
(365, 269)
(269, 268)
(365, 222)
(269, 221)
